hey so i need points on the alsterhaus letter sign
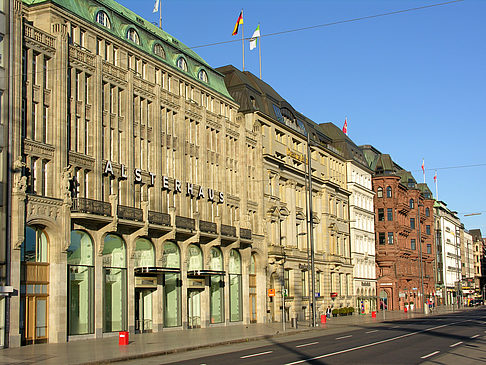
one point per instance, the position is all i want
(177, 187)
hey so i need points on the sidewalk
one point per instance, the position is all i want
(107, 350)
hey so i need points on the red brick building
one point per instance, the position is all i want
(398, 245)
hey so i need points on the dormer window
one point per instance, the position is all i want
(102, 18)
(159, 50)
(182, 64)
(132, 35)
(202, 75)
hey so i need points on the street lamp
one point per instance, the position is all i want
(311, 234)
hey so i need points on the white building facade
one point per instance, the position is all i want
(362, 232)
(448, 226)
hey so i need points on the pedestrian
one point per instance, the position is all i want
(328, 312)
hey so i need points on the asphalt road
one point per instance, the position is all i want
(455, 338)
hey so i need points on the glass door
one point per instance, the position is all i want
(36, 319)
(143, 310)
(194, 308)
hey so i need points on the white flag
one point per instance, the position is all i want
(156, 6)
(254, 38)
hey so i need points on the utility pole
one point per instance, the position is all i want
(311, 231)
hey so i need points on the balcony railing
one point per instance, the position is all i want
(228, 230)
(185, 223)
(162, 219)
(208, 227)
(85, 205)
(245, 233)
(130, 213)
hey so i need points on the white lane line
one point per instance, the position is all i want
(307, 344)
(340, 338)
(431, 354)
(372, 344)
(456, 344)
(475, 336)
(253, 355)
(377, 331)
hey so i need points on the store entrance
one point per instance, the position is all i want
(194, 308)
(143, 310)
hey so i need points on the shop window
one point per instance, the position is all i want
(115, 284)
(217, 287)
(80, 260)
(195, 258)
(235, 286)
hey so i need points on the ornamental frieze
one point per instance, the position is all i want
(43, 208)
(81, 160)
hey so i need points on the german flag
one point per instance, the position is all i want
(238, 22)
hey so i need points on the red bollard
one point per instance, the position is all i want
(323, 318)
(405, 309)
(373, 314)
(123, 338)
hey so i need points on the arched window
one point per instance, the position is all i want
(132, 35)
(202, 75)
(159, 50)
(235, 286)
(115, 284)
(172, 286)
(144, 253)
(388, 192)
(80, 260)
(195, 258)
(216, 290)
(379, 192)
(182, 64)
(34, 247)
(102, 18)
(171, 256)
(411, 203)
(427, 212)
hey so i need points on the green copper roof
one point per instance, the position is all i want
(122, 19)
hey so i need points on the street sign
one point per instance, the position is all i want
(271, 292)
(318, 294)
(286, 293)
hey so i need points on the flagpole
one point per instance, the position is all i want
(243, 39)
(436, 190)
(160, 14)
(423, 164)
(260, 51)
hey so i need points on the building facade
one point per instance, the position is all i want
(479, 262)
(405, 255)
(128, 211)
(362, 219)
(467, 269)
(284, 133)
(448, 227)
(5, 289)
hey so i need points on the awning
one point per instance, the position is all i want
(205, 272)
(155, 270)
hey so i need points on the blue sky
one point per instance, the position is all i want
(413, 84)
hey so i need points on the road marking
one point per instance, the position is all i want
(340, 338)
(395, 326)
(307, 344)
(456, 344)
(475, 336)
(253, 355)
(372, 344)
(429, 355)
(377, 331)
